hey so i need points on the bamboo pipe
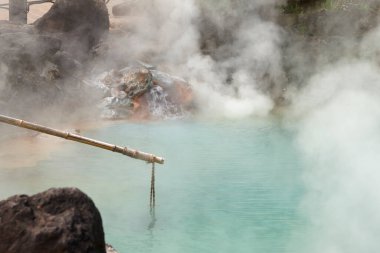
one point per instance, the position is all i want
(74, 137)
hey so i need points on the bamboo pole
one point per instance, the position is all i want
(74, 137)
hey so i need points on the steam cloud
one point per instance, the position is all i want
(338, 136)
(248, 63)
(242, 69)
(338, 117)
(332, 83)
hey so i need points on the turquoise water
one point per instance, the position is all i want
(225, 187)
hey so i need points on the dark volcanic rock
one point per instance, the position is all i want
(55, 221)
(83, 21)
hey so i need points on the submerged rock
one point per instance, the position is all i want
(54, 221)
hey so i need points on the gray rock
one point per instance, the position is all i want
(83, 22)
(143, 90)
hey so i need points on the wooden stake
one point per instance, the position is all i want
(74, 137)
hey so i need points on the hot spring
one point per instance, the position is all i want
(277, 151)
(225, 185)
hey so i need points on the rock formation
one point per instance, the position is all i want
(54, 221)
(143, 92)
(83, 23)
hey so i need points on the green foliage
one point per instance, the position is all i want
(299, 6)
(292, 8)
(329, 4)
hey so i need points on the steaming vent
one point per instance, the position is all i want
(160, 105)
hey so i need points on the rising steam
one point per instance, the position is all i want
(338, 135)
(333, 83)
(227, 50)
(338, 118)
(241, 62)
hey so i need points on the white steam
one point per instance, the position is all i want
(256, 57)
(337, 116)
(168, 34)
(159, 31)
(337, 109)
(339, 135)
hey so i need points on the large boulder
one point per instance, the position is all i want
(84, 22)
(54, 221)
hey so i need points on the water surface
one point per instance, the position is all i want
(225, 187)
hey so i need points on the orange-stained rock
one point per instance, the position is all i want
(143, 93)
